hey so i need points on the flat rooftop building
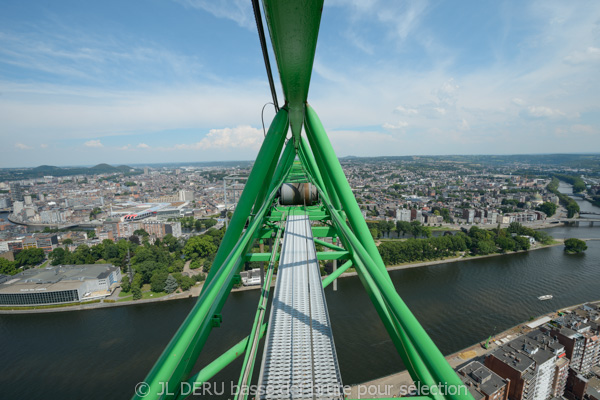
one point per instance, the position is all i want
(60, 284)
(483, 383)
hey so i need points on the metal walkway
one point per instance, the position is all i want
(299, 360)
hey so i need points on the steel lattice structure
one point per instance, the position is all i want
(293, 28)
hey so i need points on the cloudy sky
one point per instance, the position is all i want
(183, 80)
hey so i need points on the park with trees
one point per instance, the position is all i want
(472, 242)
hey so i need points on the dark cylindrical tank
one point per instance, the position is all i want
(297, 194)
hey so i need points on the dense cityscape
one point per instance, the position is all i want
(151, 232)
(180, 213)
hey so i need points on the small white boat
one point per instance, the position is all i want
(545, 297)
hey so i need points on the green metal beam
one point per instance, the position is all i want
(332, 255)
(323, 231)
(254, 337)
(250, 257)
(328, 245)
(266, 233)
(374, 294)
(268, 154)
(219, 363)
(407, 351)
(294, 28)
(333, 276)
(420, 350)
(177, 360)
(340, 184)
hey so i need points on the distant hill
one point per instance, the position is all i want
(104, 169)
(50, 170)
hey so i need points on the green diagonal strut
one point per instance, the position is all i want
(308, 157)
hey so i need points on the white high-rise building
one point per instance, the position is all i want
(402, 214)
(186, 196)
(17, 207)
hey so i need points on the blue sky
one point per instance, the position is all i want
(183, 80)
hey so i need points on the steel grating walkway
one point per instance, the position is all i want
(299, 360)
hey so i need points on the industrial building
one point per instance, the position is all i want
(60, 284)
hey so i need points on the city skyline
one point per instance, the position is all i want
(184, 81)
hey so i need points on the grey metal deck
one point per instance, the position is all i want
(299, 360)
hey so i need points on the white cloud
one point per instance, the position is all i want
(22, 146)
(126, 147)
(143, 146)
(590, 54)
(577, 131)
(243, 136)
(364, 143)
(77, 54)
(541, 111)
(400, 18)
(406, 111)
(518, 101)
(399, 125)
(93, 143)
(239, 11)
(43, 145)
(448, 92)
(441, 111)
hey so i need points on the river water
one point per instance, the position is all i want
(99, 354)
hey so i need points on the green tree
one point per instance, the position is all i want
(522, 243)
(483, 247)
(111, 250)
(548, 208)
(59, 256)
(158, 280)
(7, 267)
(199, 247)
(579, 186)
(403, 227)
(68, 241)
(515, 227)
(137, 292)
(171, 242)
(574, 245)
(416, 229)
(184, 281)
(91, 234)
(374, 233)
(572, 209)
(29, 257)
(171, 284)
(141, 232)
(505, 243)
(177, 265)
(146, 270)
(542, 237)
(125, 284)
(209, 223)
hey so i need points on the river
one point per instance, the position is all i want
(99, 354)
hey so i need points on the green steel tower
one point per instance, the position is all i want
(298, 328)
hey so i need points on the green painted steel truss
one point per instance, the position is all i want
(264, 217)
(293, 26)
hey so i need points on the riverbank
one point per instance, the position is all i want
(558, 242)
(391, 385)
(195, 290)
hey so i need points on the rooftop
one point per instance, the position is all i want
(477, 375)
(62, 277)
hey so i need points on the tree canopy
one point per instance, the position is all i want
(574, 245)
